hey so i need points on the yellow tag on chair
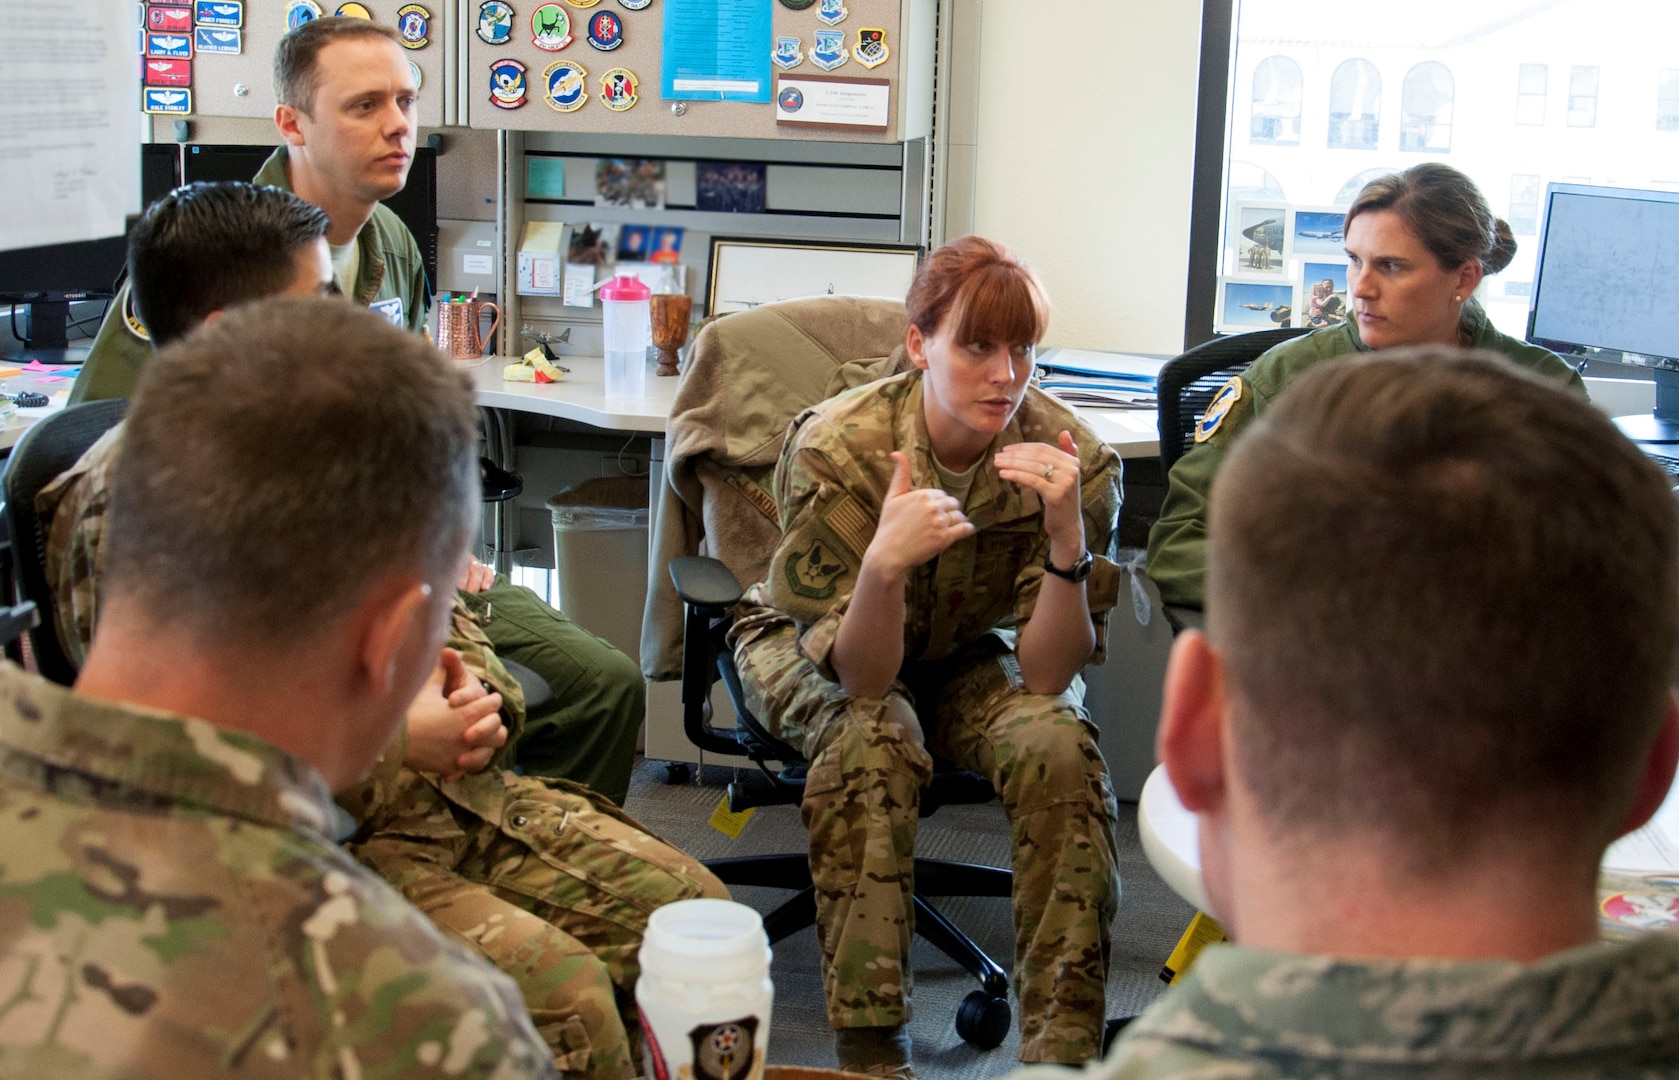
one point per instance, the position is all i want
(728, 822)
(1203, 930)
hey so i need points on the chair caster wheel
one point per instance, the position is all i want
(983, 1021)
(678, 772)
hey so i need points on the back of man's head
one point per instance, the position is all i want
(280, 460)
(205, 247)
(1447, 592)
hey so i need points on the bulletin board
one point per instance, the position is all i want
(907, 26)
(242, 83)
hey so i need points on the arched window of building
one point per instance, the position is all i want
(1425, 109)
(1277, 88)
(1355, 100)
(1349, 190)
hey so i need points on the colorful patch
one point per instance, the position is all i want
(851, 524)
(796, 5)
(618, 89)
(299, 12)
(1217, 409)
(495, 22)
(871, 50)
(419, 76)
(550, 28)
(606, 31)
(159, 100)
(169, 46)
(392, 310)
(565, 86)
(131, 322)
(634, 5)
(832, 12)
(787, 54)
(354, 10)
(413, 25)
(507, 84)
(219, 13)
(213, 39)
(791, 99)
(1642, 910)
(168, 72)
(175, 20)
(815, 572)
(829, 51)
(582, 3)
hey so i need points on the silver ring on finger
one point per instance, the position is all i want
(1049, 471)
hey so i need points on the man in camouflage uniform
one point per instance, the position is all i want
(546, 878)
(959, 694)
(1433, 687)
(172, 901)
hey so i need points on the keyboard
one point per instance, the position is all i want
(1669, 464)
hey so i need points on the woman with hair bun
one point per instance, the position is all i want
(1418, 244)
(921, 515)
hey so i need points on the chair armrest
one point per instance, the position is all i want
(704, 582)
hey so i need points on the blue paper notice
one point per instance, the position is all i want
(717, 50)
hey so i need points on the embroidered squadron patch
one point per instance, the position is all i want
(1218, 409)
(813, 573)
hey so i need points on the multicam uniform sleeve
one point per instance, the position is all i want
(1100, 495)
(825, 529)
(467, 637)
(72, 510)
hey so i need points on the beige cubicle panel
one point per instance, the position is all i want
(909, 25)
(243, 85)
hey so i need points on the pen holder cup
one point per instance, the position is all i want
(457, 328)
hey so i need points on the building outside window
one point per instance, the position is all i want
(1425, 109)
(1276, 102)
(1355, 102)
(1582, 97)
(1532, 81)
(1523, 217)
(1667, 100)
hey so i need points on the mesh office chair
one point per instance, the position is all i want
(812, 329)
(1189, 381)
(47, 449)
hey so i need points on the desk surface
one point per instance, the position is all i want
(581, 396)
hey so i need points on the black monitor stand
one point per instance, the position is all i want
(1662, 425)
(49, 342)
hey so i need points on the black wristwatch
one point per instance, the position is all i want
(1074, 573)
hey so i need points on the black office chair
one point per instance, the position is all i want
(47, 449)
(501, 485)
(1189, 381)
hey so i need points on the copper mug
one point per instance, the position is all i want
(457, 328)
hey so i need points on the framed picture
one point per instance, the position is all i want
(1246, 304)
(1318, 230)
(748, 271)
(1261, 238)
(1323, 294)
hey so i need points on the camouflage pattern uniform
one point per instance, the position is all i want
(171, 904)
(959, 695)
(1594, 1013)
(549, 880)
(1177, 543)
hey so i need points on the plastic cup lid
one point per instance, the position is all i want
(625, 287)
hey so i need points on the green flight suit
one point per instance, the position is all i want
(391, 279)
(1177, 544)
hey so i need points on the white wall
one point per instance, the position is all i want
(1084, 154)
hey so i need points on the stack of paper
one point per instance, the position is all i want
(1100, 379)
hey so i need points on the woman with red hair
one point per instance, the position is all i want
(941, 579)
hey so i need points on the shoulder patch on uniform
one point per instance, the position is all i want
(1218, 409)
(131, 320)
(813, 572)
(851, 524)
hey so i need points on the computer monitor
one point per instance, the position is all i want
(49, 277)
(415, 204)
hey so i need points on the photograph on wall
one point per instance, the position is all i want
(1323, 295)
(1261, 233)
(666, 244)
(633, 182)
(633, 243)
(591, 244)
(1318, 231)
(730, 187)
(1245, 305)
(746, 271)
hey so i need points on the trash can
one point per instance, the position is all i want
(600, 550)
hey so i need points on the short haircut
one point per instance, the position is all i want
(983, 290)
(297, 57)
(1447, 593)
(279, 460)
(208, 246)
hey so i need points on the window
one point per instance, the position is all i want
(1349, 190)
(1355, 99)
(1582, 97)
(1425, 109)
(1276, 102)
(1531, 83)
(1524, 205)
(1667, 100)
